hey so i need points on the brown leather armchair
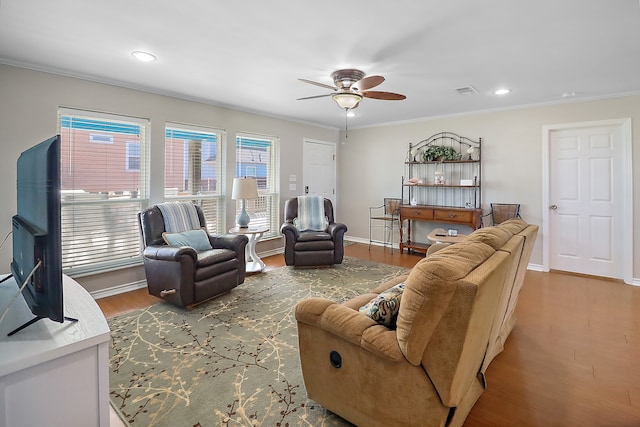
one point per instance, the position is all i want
(308, 248)
(182, 275)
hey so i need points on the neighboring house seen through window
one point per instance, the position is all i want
(133, 156)
(104, 181)
(194, 171)
(257, 156)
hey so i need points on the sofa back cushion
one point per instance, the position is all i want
(428, 293)
(449, 307)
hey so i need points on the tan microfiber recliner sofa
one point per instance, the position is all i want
(455, 313)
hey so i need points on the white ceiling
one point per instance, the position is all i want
(248, 55)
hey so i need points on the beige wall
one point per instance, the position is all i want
(29, 101)
(371, 160)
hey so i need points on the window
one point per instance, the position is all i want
(193, 170)
(257, 156)
(104, 180)
(133, 156)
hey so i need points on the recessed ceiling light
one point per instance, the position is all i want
(501, 91)
(143, 56)
(351, 114)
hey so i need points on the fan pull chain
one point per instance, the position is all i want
(346, 123)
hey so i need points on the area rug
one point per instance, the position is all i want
(232, 361)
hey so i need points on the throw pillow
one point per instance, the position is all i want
(384, 307)
(197, 239)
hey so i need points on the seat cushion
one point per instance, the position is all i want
(214, 256)
(314, 241)
(312, 236)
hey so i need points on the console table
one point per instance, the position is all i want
(458, 216)
(54, 374)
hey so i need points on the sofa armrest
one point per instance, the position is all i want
(234, 242)
(351, 326)
(168, 253)
(289, 229)
(336, 228)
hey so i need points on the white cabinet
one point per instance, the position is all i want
(54, 374)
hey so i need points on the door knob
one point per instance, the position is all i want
(553, 207)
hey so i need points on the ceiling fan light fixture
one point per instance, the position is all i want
(347, 100)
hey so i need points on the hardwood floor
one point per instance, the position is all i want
(573, 358)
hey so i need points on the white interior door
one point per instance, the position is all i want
(586, 200)
(319, 173)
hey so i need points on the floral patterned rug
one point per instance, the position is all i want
(232, 361)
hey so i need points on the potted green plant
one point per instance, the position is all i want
(435, 153)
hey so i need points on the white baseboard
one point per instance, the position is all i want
(128, 287)
(271, 252)
(536, 267)
(366, 242)
(120, 289)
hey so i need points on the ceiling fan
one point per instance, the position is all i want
(351, 86)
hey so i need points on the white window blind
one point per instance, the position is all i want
(194, 170)
(257, 156)
(104, 181)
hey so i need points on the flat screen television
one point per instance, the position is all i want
(36, 235)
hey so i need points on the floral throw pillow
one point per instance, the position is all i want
(384, 307)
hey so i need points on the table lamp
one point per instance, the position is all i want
(244, 188)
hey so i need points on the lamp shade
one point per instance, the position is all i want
(244, 188)
(347, 100)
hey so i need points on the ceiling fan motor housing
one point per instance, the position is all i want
(345, 78)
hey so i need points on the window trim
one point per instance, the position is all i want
(273, 176)
(217, 224)
(104, 262)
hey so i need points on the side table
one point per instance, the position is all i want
(254, 263)
(440, 235)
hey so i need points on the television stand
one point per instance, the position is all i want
(50, 365)
(34, 320)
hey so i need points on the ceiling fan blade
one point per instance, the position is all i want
(318, 84)
(316, 96)
(368, 82)
(389, 96)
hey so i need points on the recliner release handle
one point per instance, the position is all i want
(165, 292)
(335, 359)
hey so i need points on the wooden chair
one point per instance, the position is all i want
(386, 217)
(501, 212)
